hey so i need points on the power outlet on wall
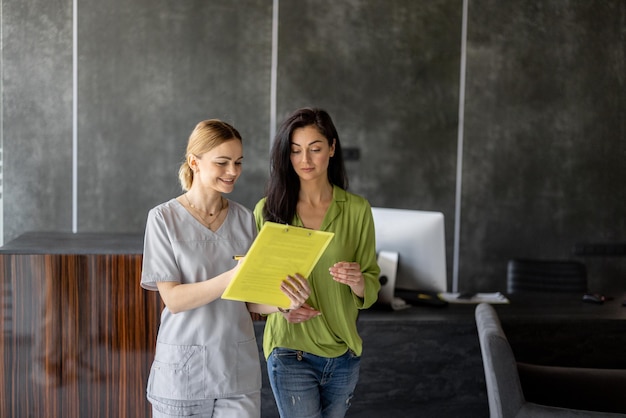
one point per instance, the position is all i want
(351, 153)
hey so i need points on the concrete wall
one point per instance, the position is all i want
(543, 133)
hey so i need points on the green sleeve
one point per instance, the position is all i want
(366, 254)
(258, 214)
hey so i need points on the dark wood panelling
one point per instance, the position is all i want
(77, 336)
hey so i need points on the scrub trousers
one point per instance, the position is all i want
(241, 406)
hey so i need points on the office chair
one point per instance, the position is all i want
(548, 276)
(504, 388)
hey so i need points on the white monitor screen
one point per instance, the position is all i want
(419, 239)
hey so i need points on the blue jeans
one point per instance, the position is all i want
(309, 386)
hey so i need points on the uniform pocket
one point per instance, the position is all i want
(177, 372)
(248, 365)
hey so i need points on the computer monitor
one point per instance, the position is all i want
(419, 239)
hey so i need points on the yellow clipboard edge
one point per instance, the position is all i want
(273, 225)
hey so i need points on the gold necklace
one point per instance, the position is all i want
(211, 214)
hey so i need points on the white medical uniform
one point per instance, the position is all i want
(209, 352)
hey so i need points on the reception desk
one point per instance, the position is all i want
(77, 331)
(77, 338)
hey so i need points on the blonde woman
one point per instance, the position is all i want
(206, 361)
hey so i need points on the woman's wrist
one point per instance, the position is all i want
(283, 310)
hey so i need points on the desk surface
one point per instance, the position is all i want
(79, 243)
(556, 307)
(557, 330)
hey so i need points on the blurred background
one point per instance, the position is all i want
(508, 117)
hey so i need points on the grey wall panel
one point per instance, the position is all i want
(388, 73)
(149, 71)
(37, 115)
(544, 136)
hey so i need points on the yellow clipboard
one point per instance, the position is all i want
(278, 251)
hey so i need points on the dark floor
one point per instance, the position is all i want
(425, 411)
(362, 409)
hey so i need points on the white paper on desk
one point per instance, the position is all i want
(495, 298)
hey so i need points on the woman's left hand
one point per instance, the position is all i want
(349, 273)
(303, 314)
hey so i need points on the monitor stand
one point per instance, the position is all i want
(388, 263)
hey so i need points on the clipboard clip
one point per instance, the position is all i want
(309, 233)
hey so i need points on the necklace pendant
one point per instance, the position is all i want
(211, 214)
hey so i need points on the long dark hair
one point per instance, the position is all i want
(284, 185)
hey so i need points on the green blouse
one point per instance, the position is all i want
(333, 332)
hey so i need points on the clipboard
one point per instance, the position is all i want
(278, 251)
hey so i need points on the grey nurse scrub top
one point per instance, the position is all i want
(209, 352)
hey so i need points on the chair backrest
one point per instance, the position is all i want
(504, 389)
(548, 276)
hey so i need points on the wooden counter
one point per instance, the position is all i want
(77, 331)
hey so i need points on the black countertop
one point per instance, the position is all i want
(563, 307)
(75, 243)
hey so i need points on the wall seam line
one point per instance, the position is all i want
(460, 139)
(274, 71)
(2, 123)
(75, 116)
